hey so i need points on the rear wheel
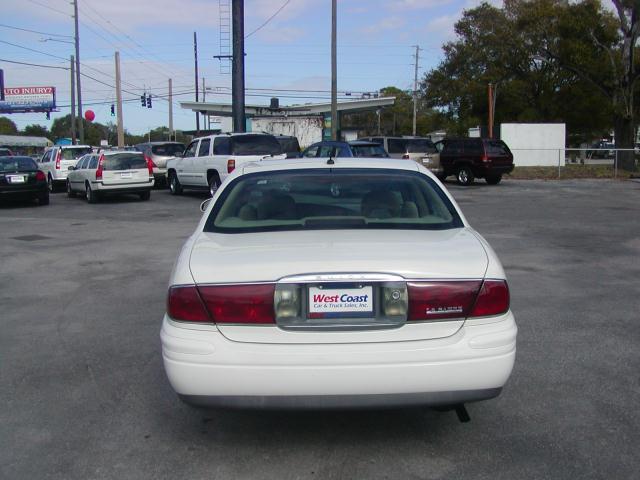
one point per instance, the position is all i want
(50, 184)
(174, 184)
(145, 195)
(214, 184)
(43, 198)
(92, 197)
(493, 179)
(464, 175)
(70, 193)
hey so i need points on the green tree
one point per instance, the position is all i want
(36, 131)
(498, 46)
(7, 127)
(598, 47)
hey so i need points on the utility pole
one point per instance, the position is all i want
(490, 94)
(119, 103)
(334, 73)
(78, 83)
(237, 72)
(204, 97)
(195, 56)
(170, 109)
(73, 101)
(415, 89)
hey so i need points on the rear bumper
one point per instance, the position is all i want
(125, 188)
(207, 369)
(24, 190)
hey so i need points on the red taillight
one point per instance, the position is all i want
(58, 158)
(485, 158)
(457, 299)
(231, 165)
(40, 176)
(150, 165)
(406, 156)
(239, 303)
(493, 299)
(441, 300)
(184, 304)
(100, 168)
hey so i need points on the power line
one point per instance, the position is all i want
(51, 8)
(34, 31)
(32, 64)
(268, 19)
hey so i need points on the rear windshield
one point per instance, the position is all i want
(17, 164)
(168, 150)
(496, 147)
(368, 151)
(255, 145)
(289, 144)
(124, 161)
(420, 145)
(337, 199)
(74, 153)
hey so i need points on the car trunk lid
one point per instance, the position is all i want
(334, 260)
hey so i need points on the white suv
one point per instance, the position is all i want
(56, 161)
(208, 160)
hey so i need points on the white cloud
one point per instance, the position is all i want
(387, 23)
(417, 4)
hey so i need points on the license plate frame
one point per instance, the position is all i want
(15, 179)
(340, 301)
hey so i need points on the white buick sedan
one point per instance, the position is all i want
(331, 283)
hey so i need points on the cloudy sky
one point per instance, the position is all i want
(288, 57)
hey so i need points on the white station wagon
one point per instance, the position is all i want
(331, 283)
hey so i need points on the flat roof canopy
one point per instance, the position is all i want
(352, 106)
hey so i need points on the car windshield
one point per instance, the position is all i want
(167, 150)
(255, 145)
(368, 151)
(496, 147)
(74, 153)
(17, 164)
(289, 144)
(420, 145)
(124, 161)
(321, 199)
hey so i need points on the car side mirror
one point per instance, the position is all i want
(71, 168)
(178, 154)
(204, 205)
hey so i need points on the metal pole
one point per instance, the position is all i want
(237, 74)
(78, 83)
(170, 110)
(615, 165)
(195, 56)
(490, 93)
(415, 90)
(73, 101)
(334, 73)
(119, 103)
(559, 154)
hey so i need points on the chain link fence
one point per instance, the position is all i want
(572, 162)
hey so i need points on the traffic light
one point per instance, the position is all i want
(143, 99)
(113, 110)
(149, 101)
(48, 115)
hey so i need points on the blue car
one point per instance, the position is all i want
(355, 148)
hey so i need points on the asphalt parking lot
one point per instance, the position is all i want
(84, 395)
